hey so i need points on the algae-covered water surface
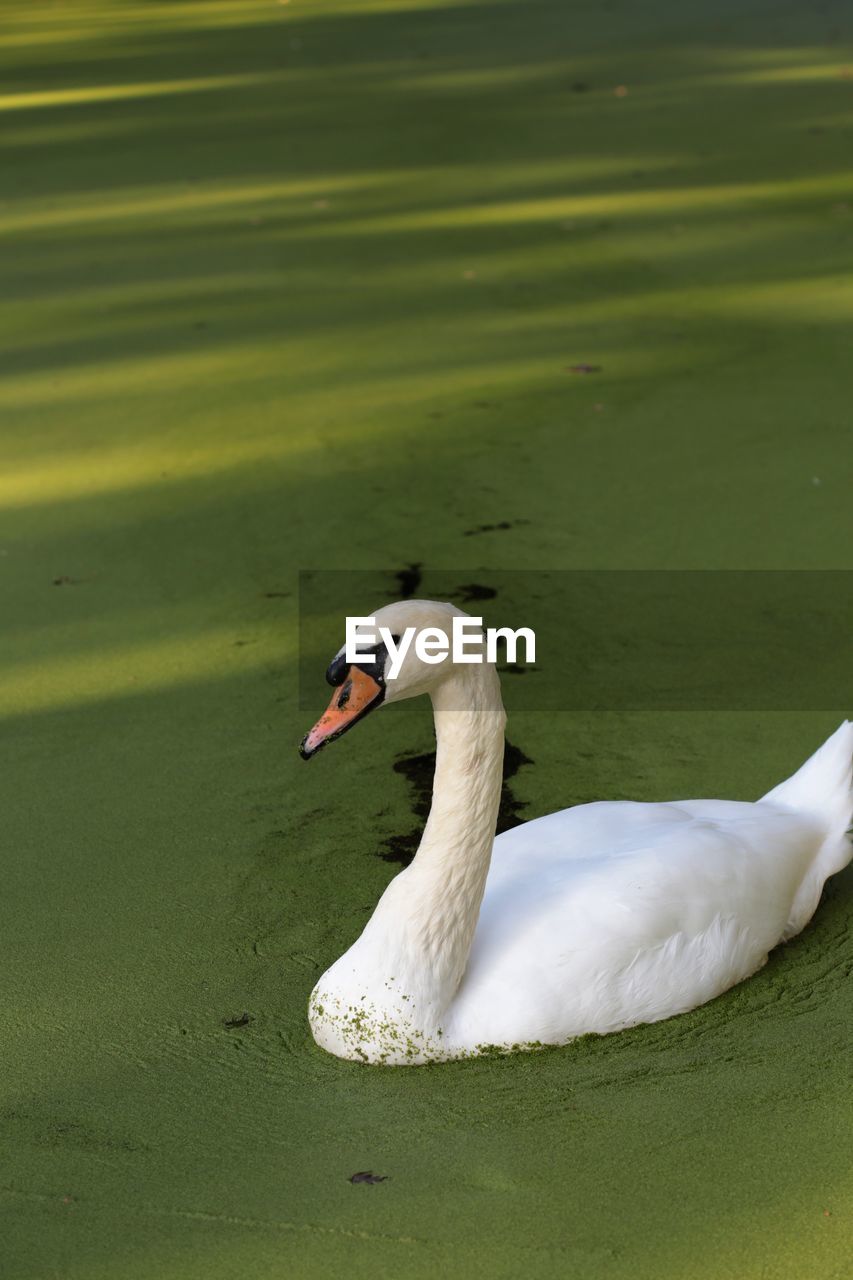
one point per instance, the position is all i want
(403, 287)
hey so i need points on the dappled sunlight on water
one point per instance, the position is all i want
(379, 284)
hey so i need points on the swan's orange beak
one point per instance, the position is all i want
(358, 694)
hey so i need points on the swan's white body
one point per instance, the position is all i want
(592, 919)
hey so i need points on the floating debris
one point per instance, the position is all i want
(241, 1020)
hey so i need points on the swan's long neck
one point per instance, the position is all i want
(429, 913)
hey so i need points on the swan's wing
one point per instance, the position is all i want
(614, 913)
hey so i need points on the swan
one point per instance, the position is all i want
(592, 919)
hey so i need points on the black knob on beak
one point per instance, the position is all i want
(336, 672)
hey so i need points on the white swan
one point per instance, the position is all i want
(592, 919)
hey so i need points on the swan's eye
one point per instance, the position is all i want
(339, 668)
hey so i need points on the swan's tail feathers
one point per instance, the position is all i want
(822, 787)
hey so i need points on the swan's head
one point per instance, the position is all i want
(387, 672)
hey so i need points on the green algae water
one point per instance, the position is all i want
(401, 287)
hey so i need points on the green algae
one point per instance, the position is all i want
(293, 286)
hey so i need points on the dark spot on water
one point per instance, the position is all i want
(367, 1176)
(408, 580)
(580, 86)
(493, 528)
(419, 771)
(240, 1020)
(64, 581)
(475, 591)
